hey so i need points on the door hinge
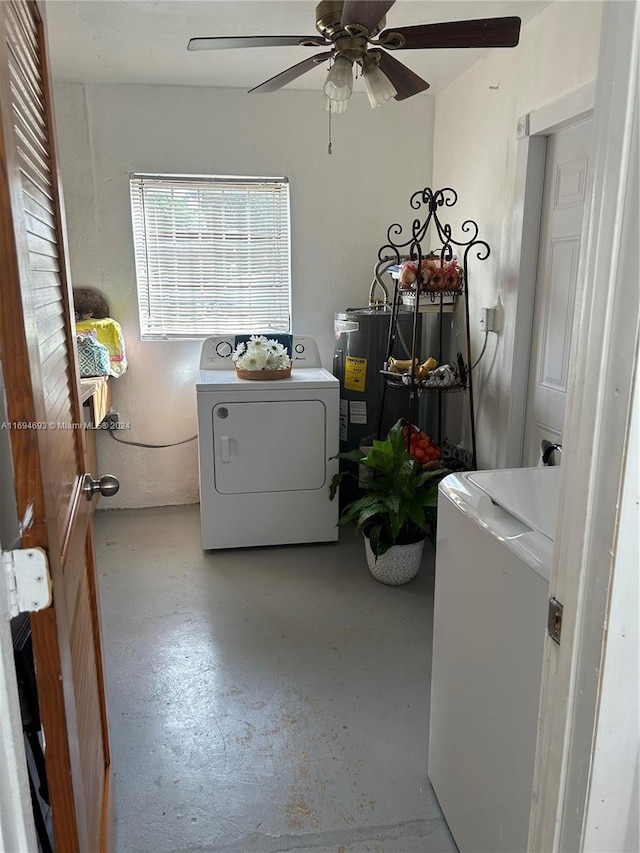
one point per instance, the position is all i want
(28, 579)
(554, 620)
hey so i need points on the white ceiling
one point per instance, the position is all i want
(145, 41)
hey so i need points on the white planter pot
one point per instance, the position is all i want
(396, 566)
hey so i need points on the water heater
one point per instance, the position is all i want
(361, 348)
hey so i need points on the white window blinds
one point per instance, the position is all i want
(212, 255)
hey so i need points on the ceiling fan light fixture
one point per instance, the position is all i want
(329, 105)
(339, 83)
(379, 88)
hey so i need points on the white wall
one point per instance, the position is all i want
(475, 153)
(341, 206)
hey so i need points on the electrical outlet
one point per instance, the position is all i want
(488, 319)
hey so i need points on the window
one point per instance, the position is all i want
(212, 255)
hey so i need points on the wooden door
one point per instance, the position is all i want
(40, 373)
(565, 185)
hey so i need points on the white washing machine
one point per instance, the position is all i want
(265, 450)
(493, 561)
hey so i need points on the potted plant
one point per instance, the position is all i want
(396, 504)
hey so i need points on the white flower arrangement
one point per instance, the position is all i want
(261, 353)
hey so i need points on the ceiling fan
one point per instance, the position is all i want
(354, 31)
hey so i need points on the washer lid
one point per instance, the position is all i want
(305, 377)
(529, 494)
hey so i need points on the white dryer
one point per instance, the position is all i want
(265, 450)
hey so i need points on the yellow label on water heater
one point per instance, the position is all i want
(355, 373)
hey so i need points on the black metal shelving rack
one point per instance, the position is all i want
(446, 247)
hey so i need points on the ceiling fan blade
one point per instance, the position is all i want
(485, 32)
(280, 80)
(405, 82)
(368, 13)
(223, 42)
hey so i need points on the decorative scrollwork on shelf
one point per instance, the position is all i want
(398, 248)
(430, 293)
(424, 387)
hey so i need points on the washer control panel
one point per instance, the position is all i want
(217, 351)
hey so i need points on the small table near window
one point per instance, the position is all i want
(95, 394)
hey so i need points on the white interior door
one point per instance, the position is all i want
(563, 200)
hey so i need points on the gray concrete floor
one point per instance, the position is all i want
(263, 700)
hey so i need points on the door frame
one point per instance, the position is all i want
(17, 828)
(600, 463)
(17, 825)
(532, 132)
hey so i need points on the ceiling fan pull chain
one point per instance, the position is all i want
(329, 151)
